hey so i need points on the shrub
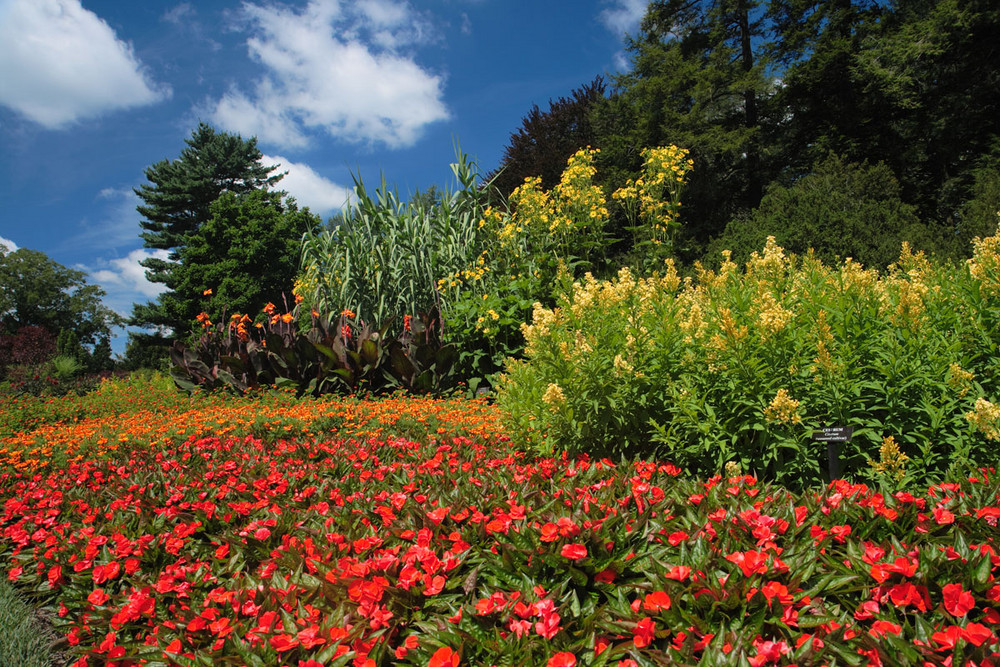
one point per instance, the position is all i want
(840, 210)
(743, 367)
(543, 232)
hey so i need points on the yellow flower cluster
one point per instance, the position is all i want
(771, 265)
(959, 379)
(783, 408)
(905, 289)
(463, 276)
(771, 316)
(654, 197)
(823, 361)
(985, 263)
(985, 418)
(892, 461)
(554, 396)
(574, 205)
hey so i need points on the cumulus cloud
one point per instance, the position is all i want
(320, 194)
(124, 280)
(10, 245)
(62, 63)
(624, 15)
(336, 66)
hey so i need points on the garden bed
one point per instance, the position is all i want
(453, 545)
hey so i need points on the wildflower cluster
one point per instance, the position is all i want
(783, 409)
(652, 201)
(892, 461)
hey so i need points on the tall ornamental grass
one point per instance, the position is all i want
(743, 367)
(384, 260)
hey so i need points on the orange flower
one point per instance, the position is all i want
(207, 292)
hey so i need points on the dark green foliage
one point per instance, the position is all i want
(340, 355)
(839, 210)
(39, 293)
(68, 344)
(979, 215)
(822, 92)
(247, 253)
(547, 139)
(181, 191)
(933, 72)
(177, 203)
(697, 81)
(759, 92)
(144, 350)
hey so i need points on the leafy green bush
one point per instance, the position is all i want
(742, 367)
(840, 210)
(541, 233)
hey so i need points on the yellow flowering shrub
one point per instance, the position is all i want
(744, 364)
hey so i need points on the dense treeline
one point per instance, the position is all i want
(894, 107)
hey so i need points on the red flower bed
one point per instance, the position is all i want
(230, 551)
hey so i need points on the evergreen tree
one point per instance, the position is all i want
(839, 210)
(177, 202)
(933, 68)
(699, 80)
(821, 99)
(246, 253)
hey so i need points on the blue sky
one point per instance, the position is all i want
(94, 92)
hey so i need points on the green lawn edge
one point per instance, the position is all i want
(25, 641)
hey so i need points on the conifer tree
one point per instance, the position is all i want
(176, 204)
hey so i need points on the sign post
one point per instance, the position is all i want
(832, 436)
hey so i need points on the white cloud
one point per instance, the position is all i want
(10, 245)
(125, 280)
(337, 66)
(61, 63)
(320, 194)
(179, 14)
(624, 15)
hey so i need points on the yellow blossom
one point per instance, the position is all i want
(783, 408)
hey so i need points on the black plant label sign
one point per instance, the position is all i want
(833, 434)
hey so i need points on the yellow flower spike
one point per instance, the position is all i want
(783, 409)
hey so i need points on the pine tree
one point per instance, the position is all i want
(177, 202)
